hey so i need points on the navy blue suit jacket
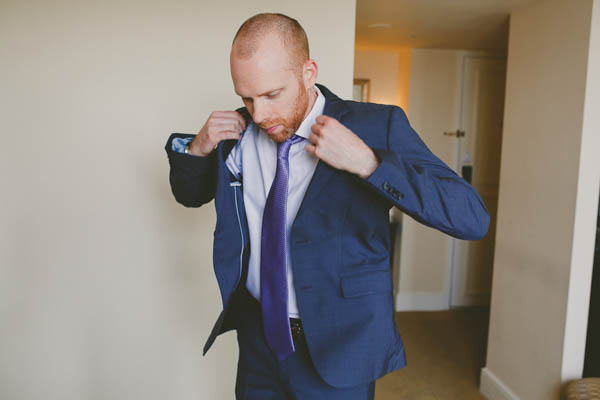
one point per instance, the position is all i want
(340, 239)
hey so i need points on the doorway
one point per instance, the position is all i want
(451, 85)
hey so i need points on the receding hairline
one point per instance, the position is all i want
(247, 39)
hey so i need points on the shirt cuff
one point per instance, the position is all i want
(179, 144)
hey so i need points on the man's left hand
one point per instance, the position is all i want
(341, 148)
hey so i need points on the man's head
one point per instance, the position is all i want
(273, 74)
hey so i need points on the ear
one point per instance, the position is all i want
(310, 71)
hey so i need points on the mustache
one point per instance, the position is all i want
(268, 124)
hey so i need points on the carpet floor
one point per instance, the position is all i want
(445, 351)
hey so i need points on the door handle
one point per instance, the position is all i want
(458, 133)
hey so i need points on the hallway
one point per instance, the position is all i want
(445, 351)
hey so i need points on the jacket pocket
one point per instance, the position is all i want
(366, 283)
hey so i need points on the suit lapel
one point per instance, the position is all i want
(228, 144)
(335, 108)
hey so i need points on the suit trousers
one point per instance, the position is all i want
(260, 376)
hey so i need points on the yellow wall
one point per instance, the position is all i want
(389, 73)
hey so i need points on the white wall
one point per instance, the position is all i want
(549, 184)
(106, 283)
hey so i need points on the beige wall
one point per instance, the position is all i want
(106, 287)
(548, 201)
(389, 73)
(435, 103)
(404, 79)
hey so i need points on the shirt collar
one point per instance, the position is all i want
(305, 127)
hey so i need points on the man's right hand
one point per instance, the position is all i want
(221, 125)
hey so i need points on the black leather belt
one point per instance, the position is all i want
(295, 323)
(296, 327)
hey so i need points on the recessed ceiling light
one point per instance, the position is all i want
(380, 25)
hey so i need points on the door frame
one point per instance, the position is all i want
(451, 264)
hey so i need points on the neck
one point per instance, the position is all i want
(312, 97)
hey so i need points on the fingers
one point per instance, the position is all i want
(222, 125)
(322, 123)
(218, 135)
(240, 118)
(324, 135)
(316, 129)
(227, 116)
(314, 138)
(230, 135)
(227, 125)
(321, 119)
(310, 148)
(313, 143)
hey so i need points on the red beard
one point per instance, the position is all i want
(291, 123)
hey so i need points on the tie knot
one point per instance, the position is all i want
(283, 148)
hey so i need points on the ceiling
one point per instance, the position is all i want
(441, 24)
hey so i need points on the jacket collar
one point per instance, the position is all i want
(227, 145)
(335, 108)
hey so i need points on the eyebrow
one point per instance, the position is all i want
(262, 94)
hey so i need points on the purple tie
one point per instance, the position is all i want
(273, 268)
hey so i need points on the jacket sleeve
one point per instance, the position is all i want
(422, 186)
(193, 178)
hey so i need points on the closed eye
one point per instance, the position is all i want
(273, 95)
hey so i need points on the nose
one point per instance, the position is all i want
(259, 112)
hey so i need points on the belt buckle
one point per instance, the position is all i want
(295, 327)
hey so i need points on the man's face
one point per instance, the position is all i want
(274, 94)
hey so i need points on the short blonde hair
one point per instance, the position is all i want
(289, 30)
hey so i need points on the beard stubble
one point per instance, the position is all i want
(293, 122)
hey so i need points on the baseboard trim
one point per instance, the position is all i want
(493, 388)
(422, 301)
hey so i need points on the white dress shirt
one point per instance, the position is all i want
(255, 158)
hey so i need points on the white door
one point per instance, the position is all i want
(453, 90)
(481, 120)
(434, 99)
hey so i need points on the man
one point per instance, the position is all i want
(303, 182)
